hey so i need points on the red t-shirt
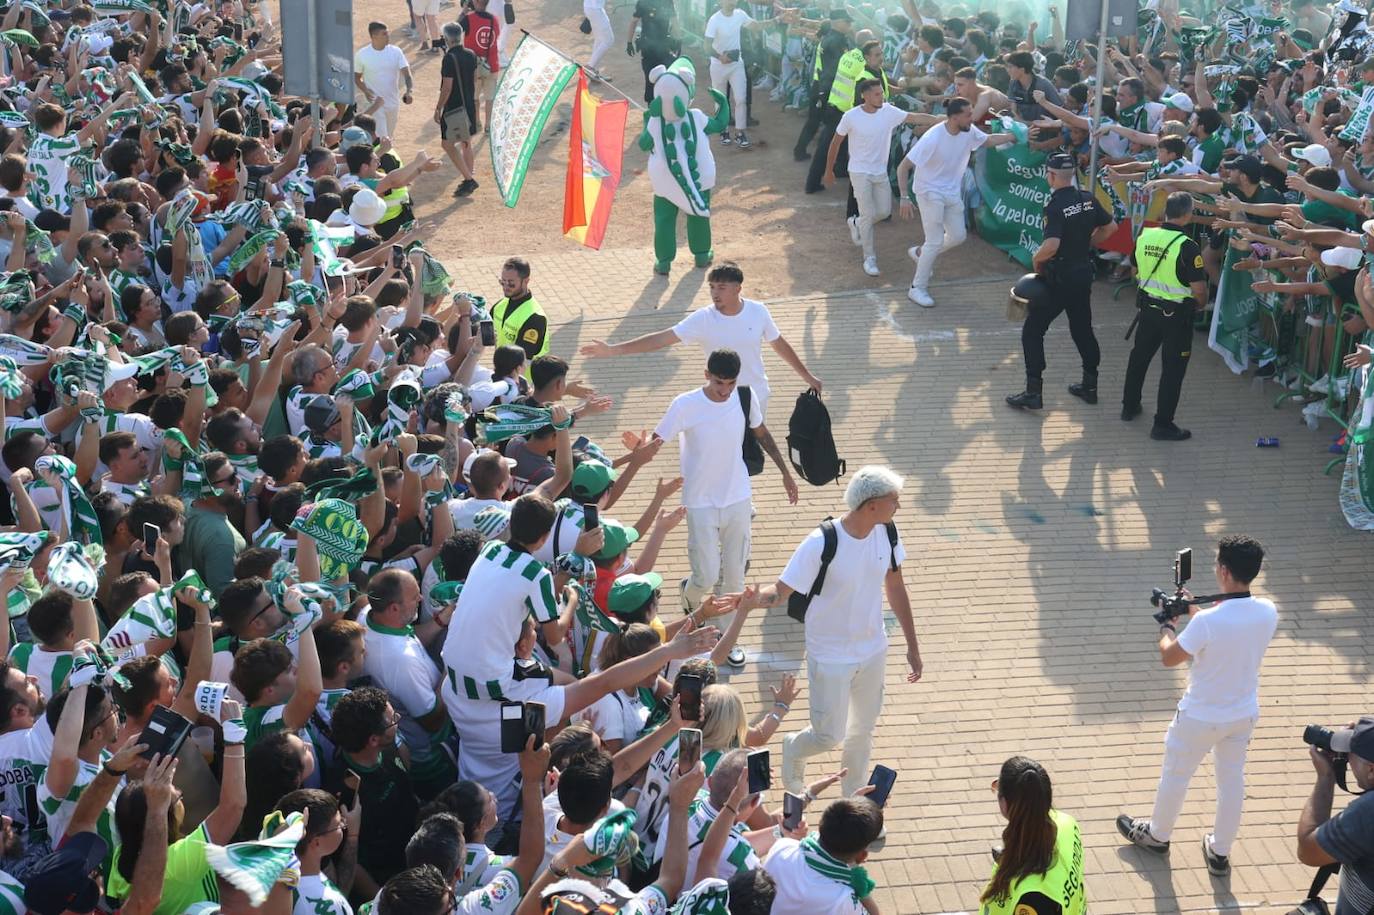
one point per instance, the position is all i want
(480, 31)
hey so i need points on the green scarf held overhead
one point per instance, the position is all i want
(181, 154)
(14, 120)
(236, 50)
(251, 248)
(827, 865)
(71, 572)
(255, 867)
(302, 294)
(20, 37)
(501, 422)
(356, 384)
(402, 397)
(17, 550)
(255, 92)
(362, 482)
(609, 839)
(16, 291)
(24, 352)
(340, 538)
(154, 616)
(195, 483)
(77, 513)
(434, 278)
(709, 897)
(118, 7)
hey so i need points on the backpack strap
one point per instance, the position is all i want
(892, 545)
(830, 542)
(746, 397)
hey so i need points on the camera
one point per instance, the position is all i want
(1319, 737)
(1172, 606)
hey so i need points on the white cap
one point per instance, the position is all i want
(1349, 258)
(1179, 101)
(367, 209)
(467, 465)
(118, 371)
(1315, 153)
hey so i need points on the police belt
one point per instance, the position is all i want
(1162, 305)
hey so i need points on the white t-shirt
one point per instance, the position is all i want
(801, 889)
(1227, 643)
(941, 158)
(316, 895)
(870, 137)
(844, 623)
(616, 716)
(724, 31)
(464, 512)
(504, 586)
(567, 527)
(745, 333)
(396, 661)
(381, 71)
(710, 439)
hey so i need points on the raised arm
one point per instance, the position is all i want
(599, 349)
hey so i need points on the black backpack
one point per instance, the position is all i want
(753, 451)
(810, 443)
(797, 602)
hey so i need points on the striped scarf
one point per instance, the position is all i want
(194, 483)
(256, 92)
(255, 867)
(18, 550)
(16, 291)
(24, 352)
(501, 422)
(71, 572)
(78, 515)
(11, 379)
(827, 865)
(402, 397)
(340, 538)
(251, 249)
(709, 897)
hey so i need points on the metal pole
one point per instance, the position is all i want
(1097, 96)
(312, 24)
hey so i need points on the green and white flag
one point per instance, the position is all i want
(529, 88)
(1235, 317)
(1357, 482)
(255, 867)
(501, 422)
(1358, 125)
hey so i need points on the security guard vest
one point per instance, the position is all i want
(1156, 264)
(848, 72)
(509, 320)
(1063, 882)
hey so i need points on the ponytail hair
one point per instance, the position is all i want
(1029, 837)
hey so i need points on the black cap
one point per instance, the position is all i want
(1358, 740)
(62, 881)
(1060, 161)
(1249, 166)
(840, 16)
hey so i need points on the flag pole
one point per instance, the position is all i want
(561, 53)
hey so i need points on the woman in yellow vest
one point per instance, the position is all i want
(1039, 869)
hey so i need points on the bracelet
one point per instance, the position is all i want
(782, 705)
(808, 797)
(1169, 627)
(105, 768)
(774, 716)
(731, 808)
(281, 265)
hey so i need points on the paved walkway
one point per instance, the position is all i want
(1033, 542)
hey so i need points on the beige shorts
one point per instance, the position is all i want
(425, 7)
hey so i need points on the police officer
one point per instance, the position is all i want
(832, 40)
(854, 65)
(1172, 281)
(1074, 222)
(518, 318)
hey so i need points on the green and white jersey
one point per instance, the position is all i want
(16, 424)
(49, 668)
(47, 158)
(121, 280)
(652, 806)
(506, 585)
(295, 410)
(324, 715)
(480, 867)
(738, 856)
(24, 759)
(59, 810)
(316, 895)
(319, 448)
(126, 492)
(11, 896)
(260, 721)
(568, 525)
(44, 498)
(499, 897)
(147, 435)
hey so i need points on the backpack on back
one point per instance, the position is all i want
(810, 442)
(797, 602)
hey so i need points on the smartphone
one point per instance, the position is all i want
(534, 724)
(760, 774)
(398, 256)
(688, 749)
(792, 805)
(882, 780)
(252, 190)
(689, 694)
(488, 331)
(582, 440)
(513, 735)
(593, 516)
(151, 534)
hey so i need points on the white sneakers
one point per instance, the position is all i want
(853, 222)
(914, 252)
(871, 266)
(920, 297)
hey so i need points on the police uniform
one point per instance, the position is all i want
(521, 322)
(1167, 261)
(851, 70)
(831, 45)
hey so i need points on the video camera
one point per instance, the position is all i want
(1171, 607)
(1320, 737)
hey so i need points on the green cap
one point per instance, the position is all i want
(618, 538)
(630, 592)
(591, 479)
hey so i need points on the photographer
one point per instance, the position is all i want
(1226, 644)
(1347, 838)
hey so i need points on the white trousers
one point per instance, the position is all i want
(1185, 744)
(718, 549)
(732, 75)
(942, 219)
(386, 121)
(602, 35)
(845, 701)
(873, 194)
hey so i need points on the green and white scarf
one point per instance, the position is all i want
(609, 839)
(17, 550)
(402, 397)
(340, 538)
(255, 867)
(356, 384)
(256, 92)
(16, 291)
(77, 513)
(11, 379)
(70, 571)
(24, 352)
(251, 248)
(709, 897)
(154, 616)
(827, 865)
(501, 422)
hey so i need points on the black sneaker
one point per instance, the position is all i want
(1083, 392)
(801, 155)
(1137, 830)
(1217, 865)
(1169, 433)
(466, 188)
(1130, 413)
(743, 141)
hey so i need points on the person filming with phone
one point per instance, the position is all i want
(1226, 645)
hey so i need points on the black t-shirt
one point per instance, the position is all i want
(655, 23)
(389, 811)
(460, 65)
(1071, 215)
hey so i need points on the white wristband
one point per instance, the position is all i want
(234, 732)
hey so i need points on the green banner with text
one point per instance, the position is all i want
(1012, 185)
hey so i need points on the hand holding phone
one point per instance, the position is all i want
(688, 749)
(882, 781)
(689, 696)
(760, 771)
(151, 534)
(792, 807)
(488, 331)
(593, 516)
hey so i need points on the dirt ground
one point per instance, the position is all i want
(788, 242)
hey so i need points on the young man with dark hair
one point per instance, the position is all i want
(331, 830)
(816, 873)
(519, 319)
(1226, 645)
(58, 622)
(709, 424)
(281, 691)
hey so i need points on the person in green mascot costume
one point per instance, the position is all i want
(682, 170)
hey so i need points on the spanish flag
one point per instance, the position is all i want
(595, 147)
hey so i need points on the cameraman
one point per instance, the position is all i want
(1348, 838)
(1226, 644)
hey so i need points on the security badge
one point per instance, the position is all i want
(530, 336)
